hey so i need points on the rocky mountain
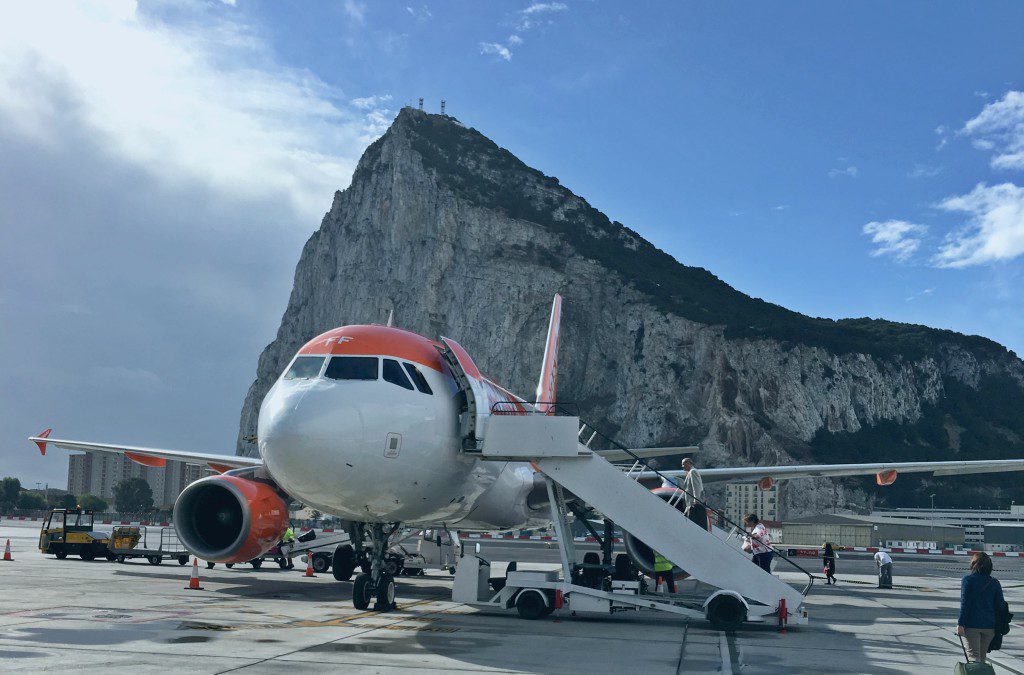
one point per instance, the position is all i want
(460, 238)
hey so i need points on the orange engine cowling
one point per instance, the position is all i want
(229, 519)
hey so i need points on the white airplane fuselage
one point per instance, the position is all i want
(385, 449)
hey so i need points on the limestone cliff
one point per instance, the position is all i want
(460, 238)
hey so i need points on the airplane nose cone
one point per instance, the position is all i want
(304, 438)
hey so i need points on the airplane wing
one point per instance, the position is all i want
(615, 455)
(149, 456)
(885, 472)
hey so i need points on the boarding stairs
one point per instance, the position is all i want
(552, 445)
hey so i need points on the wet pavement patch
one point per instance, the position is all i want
(188, 639)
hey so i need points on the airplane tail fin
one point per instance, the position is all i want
(549, 370)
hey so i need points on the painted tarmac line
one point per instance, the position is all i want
(723, 646)
(682, 649)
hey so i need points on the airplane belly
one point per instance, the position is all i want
(503, 505)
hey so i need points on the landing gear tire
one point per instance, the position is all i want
(385, 593)
(530, 605)
(362, 591)
(343, 562)
(726, 613)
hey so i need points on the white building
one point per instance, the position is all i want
(98, 473)
(744, 498)
(972, 520)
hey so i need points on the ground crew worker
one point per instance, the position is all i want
(663, 572)
(289, 539)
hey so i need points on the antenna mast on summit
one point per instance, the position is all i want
(442, 106)
(421, 104)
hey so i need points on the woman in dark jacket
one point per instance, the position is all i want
(980, 595)
(829, 558)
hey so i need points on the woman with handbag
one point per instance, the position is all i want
(829, 558)
(980, 596)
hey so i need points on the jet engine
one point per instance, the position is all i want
(641, 553)
(229, 519)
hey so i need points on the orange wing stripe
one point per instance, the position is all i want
(146, 460)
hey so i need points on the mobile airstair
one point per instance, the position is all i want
(724, 586)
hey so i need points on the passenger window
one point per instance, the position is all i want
(393, 374)
(352, 368)
(304, 368)
(417, 377)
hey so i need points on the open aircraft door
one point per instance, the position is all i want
(473, 419)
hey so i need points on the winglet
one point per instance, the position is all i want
(41, 443)
(549, 369)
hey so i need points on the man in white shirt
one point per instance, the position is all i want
(759, 542)
(693, 491)
(884, 564)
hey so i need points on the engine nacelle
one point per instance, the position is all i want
(640, 552)
(229, 519)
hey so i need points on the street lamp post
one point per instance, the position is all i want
(932, 519)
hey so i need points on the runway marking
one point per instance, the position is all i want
(723, 646)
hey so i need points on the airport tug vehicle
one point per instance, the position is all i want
(70, 532)
(723, 585)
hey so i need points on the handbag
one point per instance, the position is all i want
(971, 667)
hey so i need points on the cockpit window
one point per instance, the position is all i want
(304, 368)
(393, 373)
(352, 368)
(417, 377)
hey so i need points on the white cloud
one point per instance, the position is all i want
(995, 231)
(369, 102)
(780, 207)
(355, 10)
(515, 39)
(896, 238)
(999, 128)
(543, 7)
(422, 13)
(495, 48)
(204, 100)
(850, 171)
(924, 171)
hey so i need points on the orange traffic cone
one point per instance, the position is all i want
(309, 566)
(193, 583)
(7, 551)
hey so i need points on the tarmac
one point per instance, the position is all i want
(96, 616)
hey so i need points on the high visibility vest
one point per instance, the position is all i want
(289, 536)
(661, 563)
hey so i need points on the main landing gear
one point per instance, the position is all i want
(375, 583)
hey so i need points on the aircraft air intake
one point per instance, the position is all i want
(229, 519)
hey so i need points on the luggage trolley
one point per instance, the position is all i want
(152, 543)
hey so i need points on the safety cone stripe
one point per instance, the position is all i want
(309, 566)
(7, 552)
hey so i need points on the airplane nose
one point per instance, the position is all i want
(305, 437)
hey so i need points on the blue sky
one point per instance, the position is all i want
(164, 164)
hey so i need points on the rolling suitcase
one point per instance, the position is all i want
(971, 667)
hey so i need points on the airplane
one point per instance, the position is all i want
(375, 424)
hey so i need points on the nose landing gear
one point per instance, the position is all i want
(378, 584)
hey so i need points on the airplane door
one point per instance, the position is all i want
(474, 420)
